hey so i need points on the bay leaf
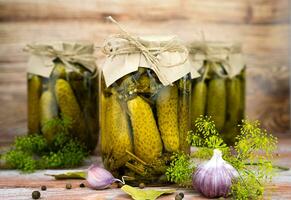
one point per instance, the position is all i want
(69, 175)
(142, 194)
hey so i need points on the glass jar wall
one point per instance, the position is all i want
(220, 90)
(142, 122)
(67, 99)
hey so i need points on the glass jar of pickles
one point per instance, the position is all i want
(220, 90)
(62, 85)
(145, 93)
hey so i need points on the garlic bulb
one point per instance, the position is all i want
(99, 178)
(214, 178)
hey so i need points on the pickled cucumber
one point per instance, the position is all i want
(59, 71)
(79, 88)
(86, 97)
(105, 140)
(167, 112)
(147, 83)
(184, 85)
(216, 102)
(48, 111)
(234, 99)
(147, 140)
(117, 134)
(233, 112)
(184, 122)
(34, 92)
(70, 108)
(199, 95)
(144, 84)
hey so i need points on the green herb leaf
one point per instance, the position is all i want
(251, 156)
(62, 125)
(31, 152)
(180, 169)
(205, 134)
(142, 194)
(31, 143)
(18, 159)
(69, 175)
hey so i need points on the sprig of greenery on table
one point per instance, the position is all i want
(180, 170)
(31, 152)
(251, 156)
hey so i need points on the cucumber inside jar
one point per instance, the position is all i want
(143, 117)
(64, 97)
(220, 96)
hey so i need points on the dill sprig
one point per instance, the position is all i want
(251, 156)
(180, 169)
(61, 125)
(254, 150)
(31, 152)
(205, 134)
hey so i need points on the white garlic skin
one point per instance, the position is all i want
(214, 178)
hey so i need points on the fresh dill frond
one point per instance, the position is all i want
(30, 143)
(180, 169)
(254, 152)
(31, 152)
(254, 143)
(251, 156)
(205, 134)
(247, 186)
(61, 125)
(21, 160)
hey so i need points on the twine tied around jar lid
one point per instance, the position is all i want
(125, 43)
(229, 55)
(43, 55)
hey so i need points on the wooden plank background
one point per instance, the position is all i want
(261, 25)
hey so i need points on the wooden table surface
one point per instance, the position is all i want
(17, 186)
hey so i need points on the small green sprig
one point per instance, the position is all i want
(71, 154)
(205, 134)
(251, 156)
(180, 170)
(254, 152)
(253, 140)
(21, 160)
(61, 125)
(30, 143)
(247, 187)
(32, 152)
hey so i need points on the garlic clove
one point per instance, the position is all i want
(99, 178)
(214, 178)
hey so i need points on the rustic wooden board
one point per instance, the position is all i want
(224, 11)
(17, 186)
(261, 25)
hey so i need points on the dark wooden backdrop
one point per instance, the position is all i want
(261, 25)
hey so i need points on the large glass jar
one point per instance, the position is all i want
(142, 121)
(63, 101)
(220, 90)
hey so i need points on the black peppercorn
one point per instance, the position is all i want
(141, 185)
(68, 186)
(82, 185)
(181, 194)
(35, 194)
(43, 188)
